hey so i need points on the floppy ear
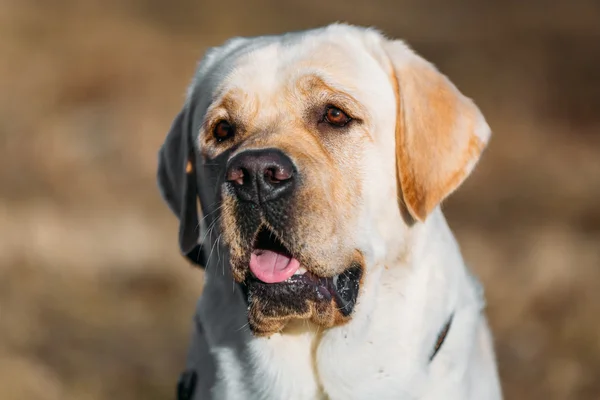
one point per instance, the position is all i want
(440, 133)
(176, 178)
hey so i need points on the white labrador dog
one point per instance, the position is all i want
(320, 159)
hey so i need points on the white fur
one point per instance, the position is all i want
(415, 276)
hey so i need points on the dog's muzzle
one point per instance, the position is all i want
(260, 177)
(270, 257)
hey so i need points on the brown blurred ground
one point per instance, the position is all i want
(95, 302)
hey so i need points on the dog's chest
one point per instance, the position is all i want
(317, 366)
(284, 367)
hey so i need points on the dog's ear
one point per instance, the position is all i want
(177, 182)
(440, 133)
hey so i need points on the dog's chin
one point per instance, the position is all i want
(287, 290)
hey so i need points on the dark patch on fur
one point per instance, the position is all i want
(347, 288)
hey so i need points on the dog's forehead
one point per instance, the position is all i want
(338, 57)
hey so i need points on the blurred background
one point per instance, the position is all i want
(96, 303)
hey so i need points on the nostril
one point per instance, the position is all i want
(277, 174)
(236, 175)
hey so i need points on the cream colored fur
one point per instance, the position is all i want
(415, 276)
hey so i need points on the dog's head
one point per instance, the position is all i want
(315, 153)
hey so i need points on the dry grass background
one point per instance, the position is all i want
(95, 302)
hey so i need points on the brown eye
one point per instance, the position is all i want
(336, 117)
(223, 131)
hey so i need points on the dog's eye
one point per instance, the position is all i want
(223, 130)
(336, 117)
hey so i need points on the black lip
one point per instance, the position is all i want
(343, 288)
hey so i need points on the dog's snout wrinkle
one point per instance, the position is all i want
(259, 176)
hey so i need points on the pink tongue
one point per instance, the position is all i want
(271, 267)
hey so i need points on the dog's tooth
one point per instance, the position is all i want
(301, 271)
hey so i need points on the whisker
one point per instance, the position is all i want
(209, 232)
(211, 252)
(209, 214)
(243, 326)
(218, 252)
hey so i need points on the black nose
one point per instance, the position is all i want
(261, 175)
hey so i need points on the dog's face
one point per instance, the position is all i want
(296, 123)
(309, 148)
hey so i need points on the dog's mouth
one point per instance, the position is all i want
(271, 261)
(276, 273)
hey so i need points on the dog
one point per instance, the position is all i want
(319, 160)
